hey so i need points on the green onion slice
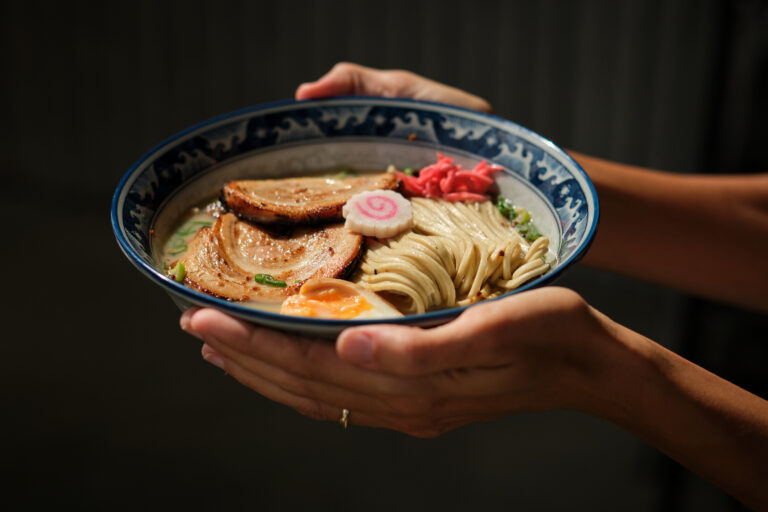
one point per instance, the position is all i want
(177, 249)
(269, 280)
(178, 272)
(506, 208)
(343, 172)
(181, 272)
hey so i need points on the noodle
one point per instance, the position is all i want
(457, 253)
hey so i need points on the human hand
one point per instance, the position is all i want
(347, 78)
(530, 351)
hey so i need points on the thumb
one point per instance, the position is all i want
(403, 350)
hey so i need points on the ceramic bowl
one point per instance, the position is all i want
(293, 138)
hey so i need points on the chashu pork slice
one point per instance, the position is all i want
(223, 259)
(299, 200)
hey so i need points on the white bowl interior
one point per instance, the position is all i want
(305, 159)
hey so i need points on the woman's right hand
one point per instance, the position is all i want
(350, 79)
(536, 350)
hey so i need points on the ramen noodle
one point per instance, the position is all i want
(457, 253)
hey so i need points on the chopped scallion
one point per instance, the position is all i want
(182, 271)
(191, 227)
(533, 236)
(177, 272)
(529, 231)
(521, 216)
(269, 280)
(177, 249)
(506, 208)
(343, 172)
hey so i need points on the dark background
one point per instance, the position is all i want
(106, 404)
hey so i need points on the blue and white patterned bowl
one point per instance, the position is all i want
(296, 138)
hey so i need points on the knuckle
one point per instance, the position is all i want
(396, 82)
(343, 66)
(573, 304)
(568, 295)
(400, 75)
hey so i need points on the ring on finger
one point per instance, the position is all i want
(344, 419)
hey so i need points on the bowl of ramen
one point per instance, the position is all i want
(317, 215)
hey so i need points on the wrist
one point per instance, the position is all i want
(582, 357)
(707, 424)
(614, 365)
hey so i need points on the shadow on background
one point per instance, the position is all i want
(108, 405)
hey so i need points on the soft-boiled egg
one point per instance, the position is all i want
(337, 299)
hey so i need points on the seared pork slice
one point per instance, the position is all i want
(299, 200)
(223, 259)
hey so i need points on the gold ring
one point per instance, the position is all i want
(344, 420)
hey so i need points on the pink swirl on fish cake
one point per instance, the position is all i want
(377, 204)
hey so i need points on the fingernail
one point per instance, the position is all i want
(358, 348)
(186, 323)
(212, 357)
(299, 91)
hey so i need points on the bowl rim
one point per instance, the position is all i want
(430, 317)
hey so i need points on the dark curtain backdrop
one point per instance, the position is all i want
(106, 404)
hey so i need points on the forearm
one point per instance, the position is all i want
(707, 235)
(709, 425)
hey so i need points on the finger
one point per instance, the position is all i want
(478, 338)
(529, 329)
(429, 90)
(347, 78)
(314, 360)
(418, 420)
(334, 83)
(405, 351)
(186, 318)
(451, 393)
(294, 384)
(309, 407)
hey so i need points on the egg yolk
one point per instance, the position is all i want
(326, 302)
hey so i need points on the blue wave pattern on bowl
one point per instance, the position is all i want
(248, 131)
(535, 168)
